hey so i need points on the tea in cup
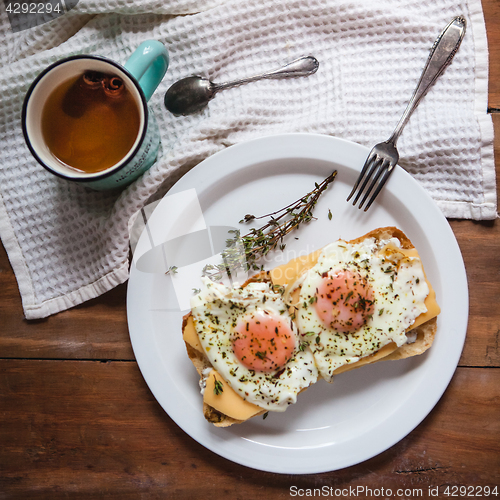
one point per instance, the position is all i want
(85, 118)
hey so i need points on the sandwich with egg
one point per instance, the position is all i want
(351, 303)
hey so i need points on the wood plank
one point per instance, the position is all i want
(96, 329)
(83, 429)
(480, 246)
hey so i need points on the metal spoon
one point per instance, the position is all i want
(192, 94)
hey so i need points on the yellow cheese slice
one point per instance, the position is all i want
(190, 336)
(226, 400)
(286, 274)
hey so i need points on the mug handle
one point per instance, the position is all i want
(148, 64)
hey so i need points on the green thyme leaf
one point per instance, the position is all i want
(218, 387)
(172, 269)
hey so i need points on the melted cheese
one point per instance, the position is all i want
(228, 401)
(190, 336)
(287, 274)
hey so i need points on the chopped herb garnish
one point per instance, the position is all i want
(172, 269)
(218, 387)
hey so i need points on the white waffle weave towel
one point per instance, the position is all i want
(67, 244)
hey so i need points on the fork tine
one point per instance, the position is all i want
(370, 159)
(381, 183)
(373, 168)
(375, 177)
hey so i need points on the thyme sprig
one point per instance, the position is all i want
(244, 252)
(218, 387)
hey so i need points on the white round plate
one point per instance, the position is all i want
(363, 412)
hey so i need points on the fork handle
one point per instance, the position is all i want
(442, 52)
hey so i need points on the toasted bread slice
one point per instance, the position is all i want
(421, 340)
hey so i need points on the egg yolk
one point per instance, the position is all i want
(263, 342)
(344, 301)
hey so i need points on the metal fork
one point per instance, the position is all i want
(384, 157)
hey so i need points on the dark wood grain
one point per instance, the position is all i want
(84, 428)
(96, 329)
(77, 420)
(480, 246)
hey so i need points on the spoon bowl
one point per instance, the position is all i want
(189, 95)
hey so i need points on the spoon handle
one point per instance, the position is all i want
(303, 66)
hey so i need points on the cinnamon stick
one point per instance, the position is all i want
(113, 86)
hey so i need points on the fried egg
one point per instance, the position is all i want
(250, 340)
(358, 298)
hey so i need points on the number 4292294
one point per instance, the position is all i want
(34, 8)
(470, 491)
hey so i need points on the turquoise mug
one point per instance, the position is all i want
(140, 75)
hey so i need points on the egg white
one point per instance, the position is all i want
(216, 309)
(399, 288)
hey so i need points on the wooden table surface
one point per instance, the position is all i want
(78, 421)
